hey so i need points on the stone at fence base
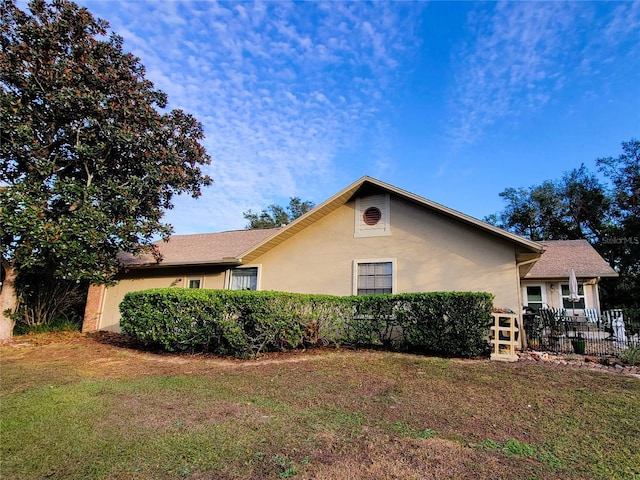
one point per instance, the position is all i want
(540, 356)
(611, 361)
(590, 359)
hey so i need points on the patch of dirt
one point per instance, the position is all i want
(403, 458)
(160, 413)
(114, 355)
(351, 409)
(109, 354)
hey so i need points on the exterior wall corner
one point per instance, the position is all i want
(93, 308)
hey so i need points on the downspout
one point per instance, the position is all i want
(522, 336)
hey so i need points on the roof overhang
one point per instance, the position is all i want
(579, 276)
(203, 263)
(527, 247)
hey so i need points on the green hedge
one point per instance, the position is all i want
(246, 323)
(448, 323)
(239, 323)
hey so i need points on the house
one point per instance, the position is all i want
(370, 237)
(547, 283)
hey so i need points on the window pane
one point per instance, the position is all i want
(535, 305)
(569, 305)
(534, 294)
(244, 279)
(194, 283)
(367, 282)
(375, 278)
(580, 304)
(565, 290)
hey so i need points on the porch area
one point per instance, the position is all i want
(559, 331)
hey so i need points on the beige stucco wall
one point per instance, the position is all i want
(144, 279)
(431, 253)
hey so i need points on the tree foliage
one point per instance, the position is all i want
(275, 215)
(622, 246)
(578, 206)
(89, 156)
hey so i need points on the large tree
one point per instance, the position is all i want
(89, 156)
(579, 205)
(622, 244)
(275, 215)
(576, 206)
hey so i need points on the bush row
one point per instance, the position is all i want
(247, 323)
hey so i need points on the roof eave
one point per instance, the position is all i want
(566, 275)
(535, 247)
(202, 263)
(347, 193)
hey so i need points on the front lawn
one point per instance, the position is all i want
(76, 406)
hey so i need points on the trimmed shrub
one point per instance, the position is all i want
(448, 323)
(225, 322)
(631, 356)
(246, 323)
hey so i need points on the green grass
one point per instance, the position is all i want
(57, 325)
(82, 410)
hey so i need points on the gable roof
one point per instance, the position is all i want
(201, 249)
(363, 184)
(243, 246)
(561, 256)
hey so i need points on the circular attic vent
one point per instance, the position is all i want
(372, 216)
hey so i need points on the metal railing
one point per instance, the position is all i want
(558, 332)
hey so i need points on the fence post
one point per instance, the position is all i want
(504, 337)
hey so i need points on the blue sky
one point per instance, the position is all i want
(453, 101)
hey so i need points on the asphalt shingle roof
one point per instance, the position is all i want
(561, 256)
(202, 248)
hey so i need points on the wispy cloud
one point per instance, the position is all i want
(519, 55)
(280, 88)
(509, 64)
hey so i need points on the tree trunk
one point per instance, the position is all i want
(8, 303)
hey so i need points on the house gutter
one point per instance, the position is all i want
(139, 266)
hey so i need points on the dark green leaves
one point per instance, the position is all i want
(89, 161)
(246, 323)
(574, 207)
(275, 215)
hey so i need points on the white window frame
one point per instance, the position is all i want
(191, 278)
(229, 275)
(394, 284)
(583, 296)
(543, 289)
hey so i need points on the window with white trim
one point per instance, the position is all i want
(194, 282)
(373, 277)
(535, 296)
(566, 303)
(243, 278)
